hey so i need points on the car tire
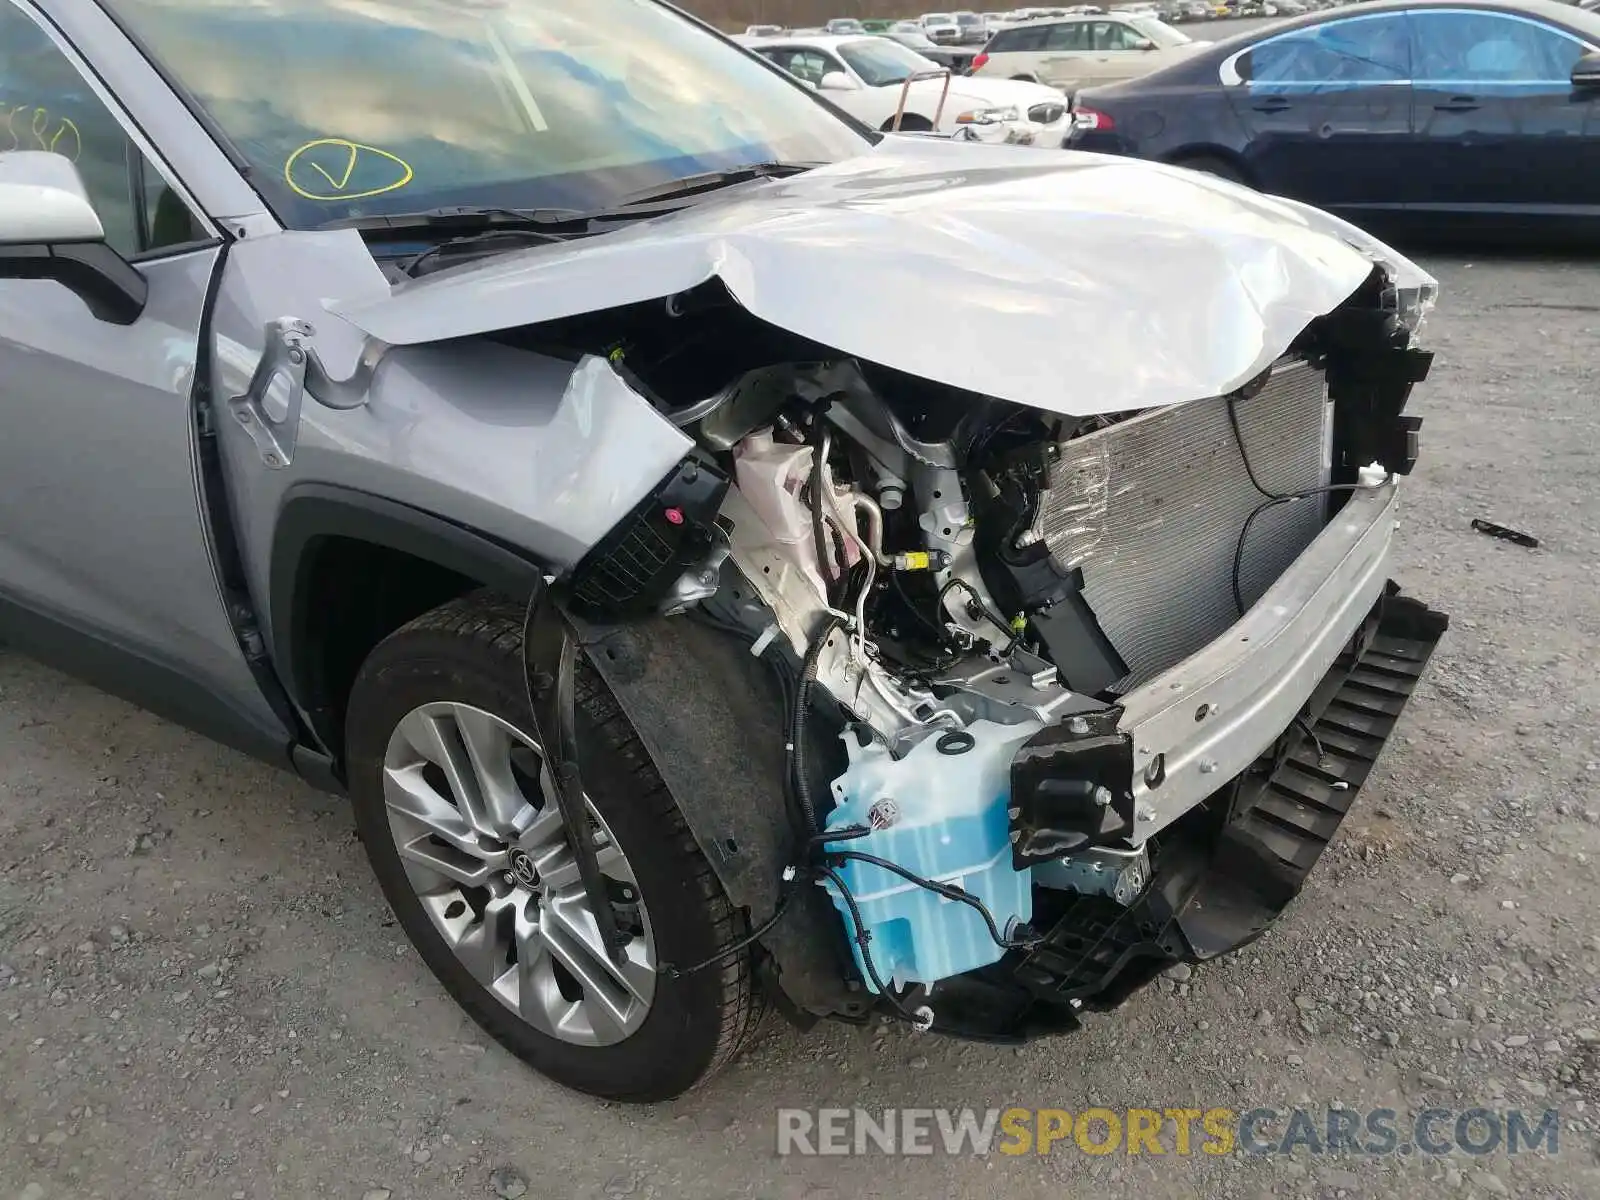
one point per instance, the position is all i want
(910, 123)
(1024, 79)
(453, 680)
(1220, 168)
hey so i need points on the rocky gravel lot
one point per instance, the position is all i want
(202, 995)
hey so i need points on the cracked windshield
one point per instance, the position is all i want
(348, 108)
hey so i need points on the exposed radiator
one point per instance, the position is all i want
(1151, 509)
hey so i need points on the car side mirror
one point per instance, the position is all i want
(837, 81)
(1586, 72)
(49, 230)
(1144, 44)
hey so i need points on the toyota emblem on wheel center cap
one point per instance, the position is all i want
(523, 869)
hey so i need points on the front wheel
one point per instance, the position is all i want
(454, 803)
(909, 123)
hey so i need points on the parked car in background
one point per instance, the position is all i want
(844, 26)
(763, 30)
(867, 77)
(942, 28)
(1075, 52)
(1439, 116)
(909, 34)
(974, 31)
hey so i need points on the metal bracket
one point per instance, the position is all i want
(290, 369)
(905, 94)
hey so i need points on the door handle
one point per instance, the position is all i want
(1269, 104)
(1458, 104)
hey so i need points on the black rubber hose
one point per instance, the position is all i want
(799, 769)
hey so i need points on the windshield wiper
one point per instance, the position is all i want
(690, 185)
(473, 219)
(476, 245)
(470, 219)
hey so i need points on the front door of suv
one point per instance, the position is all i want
(1064, 59)
(104, 563)
(1328, 112)
(1120, 52)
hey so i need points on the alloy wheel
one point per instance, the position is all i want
(472, 810)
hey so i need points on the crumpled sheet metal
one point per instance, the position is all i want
(1075, 283)
(1073, 521)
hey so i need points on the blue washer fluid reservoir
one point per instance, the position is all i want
(940, 812)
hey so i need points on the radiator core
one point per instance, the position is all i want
(1151, 509)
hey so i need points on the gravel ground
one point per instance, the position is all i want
(202, 995)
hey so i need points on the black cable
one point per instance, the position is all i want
(975, 454)
(527, 636)
(795, 748)
(1244, 457)
(849, 833)
(989, 614)
(1238, 549)
(861, 938)
(1273, 499)
(948, 891)
(1305, 727)
(905, 598)
(732, 948)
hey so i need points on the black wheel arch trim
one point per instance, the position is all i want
(679, 685)
(714, 732)
(314, 512)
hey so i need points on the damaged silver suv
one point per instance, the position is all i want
(679, 518)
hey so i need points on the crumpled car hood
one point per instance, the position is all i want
(1069, 282)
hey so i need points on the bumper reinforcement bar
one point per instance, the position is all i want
(1226, 872)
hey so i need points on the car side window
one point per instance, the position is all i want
(45, 104)
(1069, 36)
(1483, 47)
(1338, 54)
(809, 65)
(1114, 35)
(1019, 41)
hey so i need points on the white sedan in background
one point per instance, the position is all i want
(866, 77)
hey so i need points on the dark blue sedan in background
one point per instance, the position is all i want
(1411, 116)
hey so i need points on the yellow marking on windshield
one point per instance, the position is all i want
(336, 182)
(57, 135)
